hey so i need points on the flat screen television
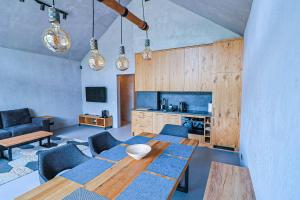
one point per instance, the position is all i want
(95, 94)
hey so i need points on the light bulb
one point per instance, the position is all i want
(147, 53)
(122, 62)
(55, 38)
(96, 61)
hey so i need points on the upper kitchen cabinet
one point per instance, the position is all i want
(206, 58)
(191, 68)
(162, 70)
(144, 74)
(228, 56)
(175, 60)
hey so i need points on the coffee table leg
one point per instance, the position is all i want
(49, 144)
(9, 154)
(185, 188)
(40, 141)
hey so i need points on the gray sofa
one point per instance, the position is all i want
(19, 122)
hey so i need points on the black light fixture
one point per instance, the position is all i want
(96, 60)
(122, 62)
(43, 5)
(147, 53)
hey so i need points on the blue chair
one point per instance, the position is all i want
(101, 142)
(174, 130)
(54, 161)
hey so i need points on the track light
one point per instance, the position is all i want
(42, 7)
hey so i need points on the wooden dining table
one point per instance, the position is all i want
(115, 175)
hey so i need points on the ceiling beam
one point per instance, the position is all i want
(123, 11)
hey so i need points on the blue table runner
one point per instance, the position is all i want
(138, 140)
(115, 154)
(148, 187)
(87, 171)
(180, 150)
(168, 138)
(167, 166)
(83, 194)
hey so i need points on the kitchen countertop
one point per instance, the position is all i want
(189, 112)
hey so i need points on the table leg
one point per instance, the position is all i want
(9, 154)
(1, 154)
(49, 144)
(40, 142)
(185, 188)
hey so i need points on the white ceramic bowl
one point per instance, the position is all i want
(138, 151)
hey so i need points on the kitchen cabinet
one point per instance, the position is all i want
(145, 74)
(175, 60)
(226, 132)
(206, 62)
(191, 69)
(142, 122)
(228, 56)
(161, 70)
(161, 119)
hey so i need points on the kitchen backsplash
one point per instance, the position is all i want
(197, 101)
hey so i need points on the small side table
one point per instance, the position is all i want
(50, 118)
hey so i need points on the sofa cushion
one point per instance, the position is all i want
(4, 134)
(23, 129)
(15, 117)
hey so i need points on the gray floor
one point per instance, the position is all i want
(199, 167)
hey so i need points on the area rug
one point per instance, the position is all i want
(25, 159)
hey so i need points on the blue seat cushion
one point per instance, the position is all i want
(15, 117)
(4, 134)
(23, 129)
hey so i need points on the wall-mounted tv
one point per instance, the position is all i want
(95, 94)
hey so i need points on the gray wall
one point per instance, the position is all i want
(270, 133)
(46, 85)
(171, 26)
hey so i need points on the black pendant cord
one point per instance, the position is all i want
(144, 16)
(53, 3)
(93, 29)
(121, 27)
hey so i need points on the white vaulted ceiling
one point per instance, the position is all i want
(22, 24)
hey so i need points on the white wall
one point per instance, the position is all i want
(170, 26)
(46, 85)
(270, 130)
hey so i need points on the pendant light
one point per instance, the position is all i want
(147, 53)
(96, 60)
(55, 38)
(122, 62)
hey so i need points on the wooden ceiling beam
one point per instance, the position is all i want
(123, 11)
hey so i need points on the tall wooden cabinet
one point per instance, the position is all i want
(215, 68)
(227, 89)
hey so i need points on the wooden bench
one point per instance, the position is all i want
(228, 182)
(13, 142)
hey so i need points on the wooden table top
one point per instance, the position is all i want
(228, 182)
(9, 142)
(113, 181)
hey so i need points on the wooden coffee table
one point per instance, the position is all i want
(17, 141)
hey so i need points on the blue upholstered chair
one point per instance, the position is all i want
(52, 162)
(101, 142)
(174, 130)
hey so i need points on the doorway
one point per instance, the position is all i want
(126, 96)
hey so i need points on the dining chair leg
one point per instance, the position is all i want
(185, 188)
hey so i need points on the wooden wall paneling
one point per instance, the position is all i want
(161, 70)
(191, 68)
(228, 55)
(175, 60)
(227, 95)
(206, 63)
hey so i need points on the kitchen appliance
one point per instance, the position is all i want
(164, 104)
(105, 113)
(182, 107)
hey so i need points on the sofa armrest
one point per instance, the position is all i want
(43, 122)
